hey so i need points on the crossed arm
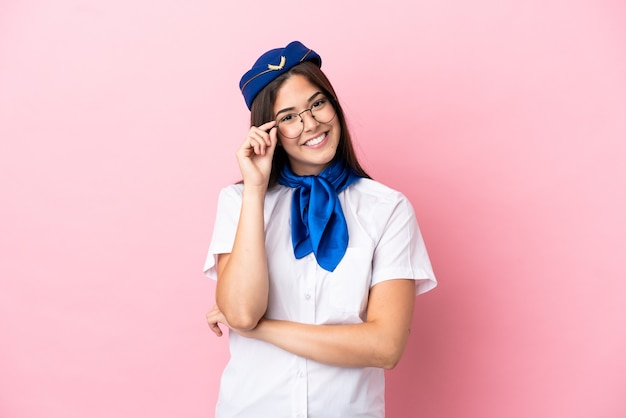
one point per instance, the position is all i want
(378, 342)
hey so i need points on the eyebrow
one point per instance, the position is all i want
(287, 109)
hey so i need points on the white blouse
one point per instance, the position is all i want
(385, 243)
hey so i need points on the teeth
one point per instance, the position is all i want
(315, 141)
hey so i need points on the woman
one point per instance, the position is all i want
(317, 265)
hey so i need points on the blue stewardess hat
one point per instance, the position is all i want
(272, 64)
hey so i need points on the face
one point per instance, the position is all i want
(315, 147)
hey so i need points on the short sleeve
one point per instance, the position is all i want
(400, 252)
(225, 227)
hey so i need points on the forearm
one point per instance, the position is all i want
(243, 284)
(358, 345)
(378, 342)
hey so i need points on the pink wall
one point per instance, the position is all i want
(503, 121)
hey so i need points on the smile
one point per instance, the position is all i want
(315, 141)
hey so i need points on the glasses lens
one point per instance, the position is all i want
(292, 125)
(323, 110)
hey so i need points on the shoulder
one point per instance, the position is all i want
(237, 189)
(230, 196)
(366, 192)
(234, 192)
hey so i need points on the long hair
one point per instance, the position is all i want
(262, 110)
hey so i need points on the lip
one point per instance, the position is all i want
(320, 144)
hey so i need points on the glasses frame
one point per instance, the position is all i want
(331, 102)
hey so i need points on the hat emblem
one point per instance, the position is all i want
(279, 66)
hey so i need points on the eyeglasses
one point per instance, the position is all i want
(292, 124)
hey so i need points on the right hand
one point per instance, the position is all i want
(256, 153)
(215, 317)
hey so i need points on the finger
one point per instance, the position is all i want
(216, 329)
(250, 146)
(273, 134)
(263, 131)
(214, 326)
(267, 126)
(273, 140)
(257, 145)
(213, 322)
(259, 140)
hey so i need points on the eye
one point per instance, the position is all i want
(290, 118)
(319, 103)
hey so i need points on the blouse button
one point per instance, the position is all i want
(307, 296)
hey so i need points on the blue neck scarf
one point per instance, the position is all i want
(318, 224)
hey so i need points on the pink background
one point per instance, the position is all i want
(504, 122)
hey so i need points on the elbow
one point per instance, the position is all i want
(242, 322)
(241, 316)
(389, 356)
(242, 319)
(390, 362)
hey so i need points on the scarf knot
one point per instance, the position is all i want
(318, 224)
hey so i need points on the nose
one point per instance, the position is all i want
(309, 122)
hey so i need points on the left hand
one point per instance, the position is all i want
(215, 317)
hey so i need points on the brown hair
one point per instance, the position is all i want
(262, 110)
